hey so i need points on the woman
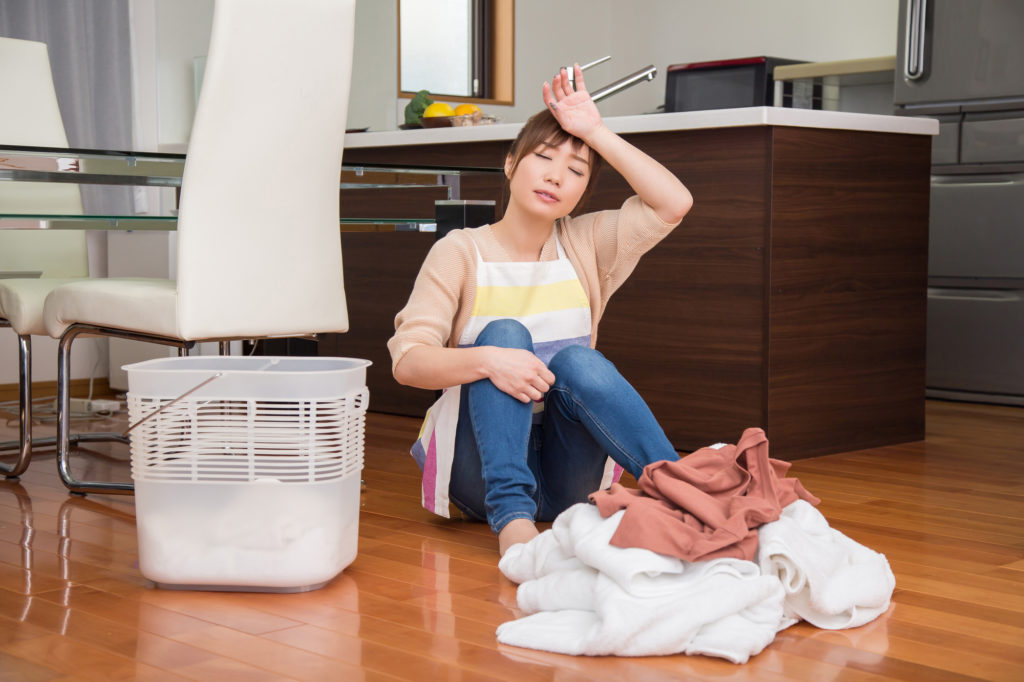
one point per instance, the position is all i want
(504, 318)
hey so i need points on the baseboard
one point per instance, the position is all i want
(79, 389)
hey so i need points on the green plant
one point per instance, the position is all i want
(415, 108)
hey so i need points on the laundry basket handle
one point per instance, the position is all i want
(166, 405)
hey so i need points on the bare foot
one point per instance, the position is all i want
(514, 532)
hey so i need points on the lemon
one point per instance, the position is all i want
(466, 109)
(438, 109)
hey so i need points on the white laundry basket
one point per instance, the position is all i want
(250, 481)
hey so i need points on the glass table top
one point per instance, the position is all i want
(155, 169)
(100, 166)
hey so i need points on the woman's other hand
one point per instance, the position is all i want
(519, 373)
(574, 110)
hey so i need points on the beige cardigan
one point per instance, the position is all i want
(604, 248)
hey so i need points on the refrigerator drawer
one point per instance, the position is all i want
(977, 226)
(993, 137)
(974, 341)
(946, 145)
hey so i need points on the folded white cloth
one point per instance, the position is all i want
(830, 580)
(540, 556)
(573, 589)
(586, 596)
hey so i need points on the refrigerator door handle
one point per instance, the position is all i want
(944, 294)
(993, 180)
(913, 61)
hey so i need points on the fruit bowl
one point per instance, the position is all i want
(475, 119)
(437, 121)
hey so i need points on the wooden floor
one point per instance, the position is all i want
(423, 597)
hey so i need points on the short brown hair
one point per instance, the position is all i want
(542, 128)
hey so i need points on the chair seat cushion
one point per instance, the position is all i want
(21, 302)
(136, 304)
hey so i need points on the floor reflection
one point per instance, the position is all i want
(29, 567)
(833, 651)
(24, 542)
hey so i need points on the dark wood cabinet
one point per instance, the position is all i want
(792, 297)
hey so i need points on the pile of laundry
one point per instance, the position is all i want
(713, 554)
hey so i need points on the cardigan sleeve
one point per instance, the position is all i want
(620, 237)
(429, 315)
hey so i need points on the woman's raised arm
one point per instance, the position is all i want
(576, 112)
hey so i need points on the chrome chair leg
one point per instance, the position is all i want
(24, 444)
(64, 437)
(27, 444)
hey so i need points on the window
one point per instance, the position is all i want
(457, 49)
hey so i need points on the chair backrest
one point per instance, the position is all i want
(30, 116)
(259, 245)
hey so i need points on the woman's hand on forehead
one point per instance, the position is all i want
(574, 110)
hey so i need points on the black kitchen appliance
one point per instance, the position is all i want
(722, 84)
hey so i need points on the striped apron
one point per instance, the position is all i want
(548, 299)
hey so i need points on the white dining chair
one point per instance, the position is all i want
(32, 262)
(258, 237)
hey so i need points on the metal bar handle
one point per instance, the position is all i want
(1000, 180)
(168, 404)
(645, 74)
(602, 60)
(942, 294)
(914, 39)
(584, 67)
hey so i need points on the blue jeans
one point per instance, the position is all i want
(507, 468)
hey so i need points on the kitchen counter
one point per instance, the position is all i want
(791, 298)
(652, 123)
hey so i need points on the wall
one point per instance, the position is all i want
(550, 34)
(674, 32)
(635, 34)
(374, 66)
(183, 33)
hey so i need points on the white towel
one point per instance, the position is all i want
(634, 602)
(541, 556)
(830, 580)
(585, 596)
(573, 590)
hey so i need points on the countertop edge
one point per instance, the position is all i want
(649, 123)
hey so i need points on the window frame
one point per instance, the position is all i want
(494, 51)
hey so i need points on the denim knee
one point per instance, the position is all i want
(582, 370)
(505, 333)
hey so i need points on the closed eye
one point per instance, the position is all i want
(542, 156)
(577, 172)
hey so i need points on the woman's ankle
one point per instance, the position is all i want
(515, 532)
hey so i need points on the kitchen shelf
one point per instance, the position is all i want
(852, 85)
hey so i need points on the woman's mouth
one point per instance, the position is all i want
(546, 196)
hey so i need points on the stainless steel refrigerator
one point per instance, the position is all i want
(962, 62)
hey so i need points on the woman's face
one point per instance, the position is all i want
(550, 180)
